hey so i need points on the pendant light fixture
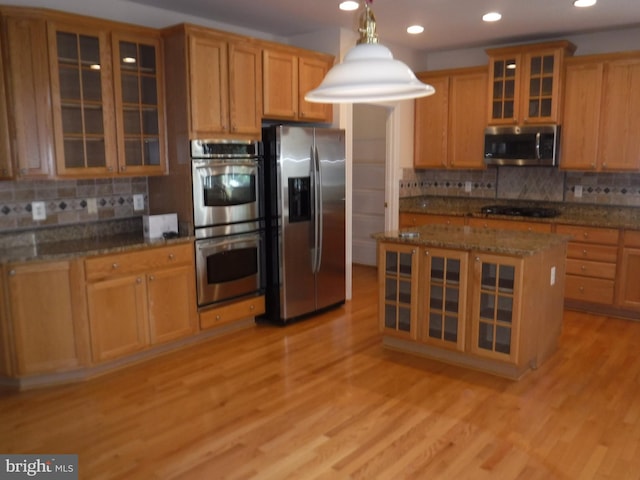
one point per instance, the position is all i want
(369, 73)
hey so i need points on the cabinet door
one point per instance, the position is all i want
(171, 304)
(208, 81)
(504, 89)
(495, 313)
(45, 337)
(29, 95)
(6, 169)
(245, 89)
(139, 99)
(82, 95)
(467, 120)
(443, 315)
(117, 317)
(582, 100)
(431, 125)
(280, 85)
(541, 89)
(619, 145)
(398, 282)
(311, 72)
(629, 286)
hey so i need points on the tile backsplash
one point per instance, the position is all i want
(525, 183)
(67, 201)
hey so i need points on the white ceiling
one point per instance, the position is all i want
(449, 24)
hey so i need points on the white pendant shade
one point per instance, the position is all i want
(369, 73)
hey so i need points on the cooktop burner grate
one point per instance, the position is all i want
(512, 211)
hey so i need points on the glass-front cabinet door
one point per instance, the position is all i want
(504, 77)
(496, 290)
(138, 85)
(444, 298)
(541, 87)
(82, 101)
(398, 277)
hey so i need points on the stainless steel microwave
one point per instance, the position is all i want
(537, 145)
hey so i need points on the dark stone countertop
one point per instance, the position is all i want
(65, 243)
(571, 214)
(486, 240)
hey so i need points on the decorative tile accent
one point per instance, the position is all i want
(66, 201)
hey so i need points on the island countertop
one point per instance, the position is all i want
(488, 240)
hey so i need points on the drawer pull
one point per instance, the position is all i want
(138, 280)
(115, 266)
(252, 307)
(583, 268)
(152, 278)
(217, 317)
(585, 253)
(585, 234)
(581, 289)
(171, 256)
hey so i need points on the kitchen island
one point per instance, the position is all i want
(481, 298)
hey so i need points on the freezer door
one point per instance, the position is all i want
(296, 197)
(330, 277)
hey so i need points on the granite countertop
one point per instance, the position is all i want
(63, 243)
(572, 214)
(487, 240)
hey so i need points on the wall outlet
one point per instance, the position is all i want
(467, 187)
(92, 206)
(38, 211)
(577, 191)
(138, 202)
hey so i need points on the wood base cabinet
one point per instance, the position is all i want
(629, 280)
(43, 319)
(496, 313)
(140, 299)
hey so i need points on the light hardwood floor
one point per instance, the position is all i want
(321, 399)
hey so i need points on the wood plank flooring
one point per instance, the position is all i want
(321, 399)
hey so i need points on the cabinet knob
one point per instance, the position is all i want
(138, 280)
(217, 317)
(252, 307)
(585, 253)
(152, 278)
(426, 253)
(583, 268)
(12, 273)
(115, 266)
(478, 259)
(585, 234)
(172, 256)
(581, 289)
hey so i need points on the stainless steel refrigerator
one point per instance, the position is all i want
(305, 205)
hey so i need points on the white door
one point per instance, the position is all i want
(369, 156)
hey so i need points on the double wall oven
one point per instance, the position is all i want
(228, 217)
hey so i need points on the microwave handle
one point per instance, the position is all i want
(538, 145)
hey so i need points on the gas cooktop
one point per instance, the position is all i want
(513, 211)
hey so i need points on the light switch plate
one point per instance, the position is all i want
(38, 211)
(577, 191)
(92, 206)
(467, 187)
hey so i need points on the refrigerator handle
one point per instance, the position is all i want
(319, 212)
(314, 208)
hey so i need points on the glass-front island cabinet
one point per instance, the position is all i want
(481, 298)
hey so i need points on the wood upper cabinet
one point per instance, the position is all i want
(287, 76)
(28, 93)
(138, 299)
(139, 100)
(600, 113)
(6, 167)
(525, 83)
(217, 80)
(46, 314)
(449, 125)
(83, 102)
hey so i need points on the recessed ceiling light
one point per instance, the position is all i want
(584, 3)
(349, 6)
(491, 17)
(415, 29)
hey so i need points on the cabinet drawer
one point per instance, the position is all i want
(232, 312)
(586, 289)
(632, 238)
(586, 251)
(107, 266)
(606, 236)
(591, 269)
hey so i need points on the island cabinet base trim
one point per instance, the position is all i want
(89, 373)
(597, 309)
(456, 358)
